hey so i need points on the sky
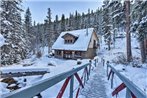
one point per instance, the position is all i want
(39, 8)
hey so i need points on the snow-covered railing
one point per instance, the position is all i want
(132, 91)
(37, 88)
(23, 71)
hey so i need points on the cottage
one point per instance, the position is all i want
(76, 44)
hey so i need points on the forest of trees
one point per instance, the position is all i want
(128, 16)
(26, 37)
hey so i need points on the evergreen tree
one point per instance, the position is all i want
(29, 30)
(55, 28)
(50, 33)
(46, 32)
(11, 28)
(82, 20)
(106, 24)
(117, 16)
(71, 22)
(62, 23)
(139, 26)
(77, 19)
(88, 20)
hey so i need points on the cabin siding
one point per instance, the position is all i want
(94, 37)
(91, 53)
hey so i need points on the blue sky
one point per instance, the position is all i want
(39, 8)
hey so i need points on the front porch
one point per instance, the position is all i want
(67, 54)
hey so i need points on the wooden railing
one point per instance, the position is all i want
(37, 88)
(132, 91)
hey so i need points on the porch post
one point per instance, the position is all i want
(62, 53)
(73, 54)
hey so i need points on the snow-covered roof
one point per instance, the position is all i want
(81, 44)
(75, 35)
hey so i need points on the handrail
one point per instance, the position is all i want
(34, 89)
(129, 84)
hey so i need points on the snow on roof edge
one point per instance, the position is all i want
(79, 45)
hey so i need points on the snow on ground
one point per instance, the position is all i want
(98, 78)
(95, 87)
(55, 66)
(137, 75)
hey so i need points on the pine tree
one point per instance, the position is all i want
(29, 30)
(139, 26)
(117, 16)
(50, 33)
(106, 24)
(11, 28)
(62, 23)
(56, 31)
(71, 22)
(82, 20)
(46, 32)
(77, 19)
(88, 20)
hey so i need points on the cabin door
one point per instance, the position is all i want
(67, 54)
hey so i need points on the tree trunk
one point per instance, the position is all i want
(128, 37)
(145, 45)
(142, 49)
(109, 47)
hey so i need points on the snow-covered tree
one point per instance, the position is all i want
(117, 16)
(139, 26)
(106, 24)
(11, 28)
(50, 32)
(29, 34)
(63, 23)
(88, 20)
(77, 20)
(55, 28)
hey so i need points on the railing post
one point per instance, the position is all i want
(112, 79)
(87, 73)
(84, 77)
(103, 62)
(89, 69)
(128, 93)
(107, 68)
(95, 62)
(71, 86)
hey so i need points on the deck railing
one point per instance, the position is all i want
(37, 88)
(132, 91)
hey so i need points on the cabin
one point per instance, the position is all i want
(76, 44)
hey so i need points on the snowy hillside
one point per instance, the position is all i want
(135, 74)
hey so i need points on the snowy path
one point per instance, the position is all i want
(95, 87)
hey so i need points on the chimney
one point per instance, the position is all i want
(86, 31)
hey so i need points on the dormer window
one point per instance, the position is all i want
(69, 38)
(68, 41)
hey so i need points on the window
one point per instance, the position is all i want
(94, 44)
(68, 41)
(58, 52)
(78, 53)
